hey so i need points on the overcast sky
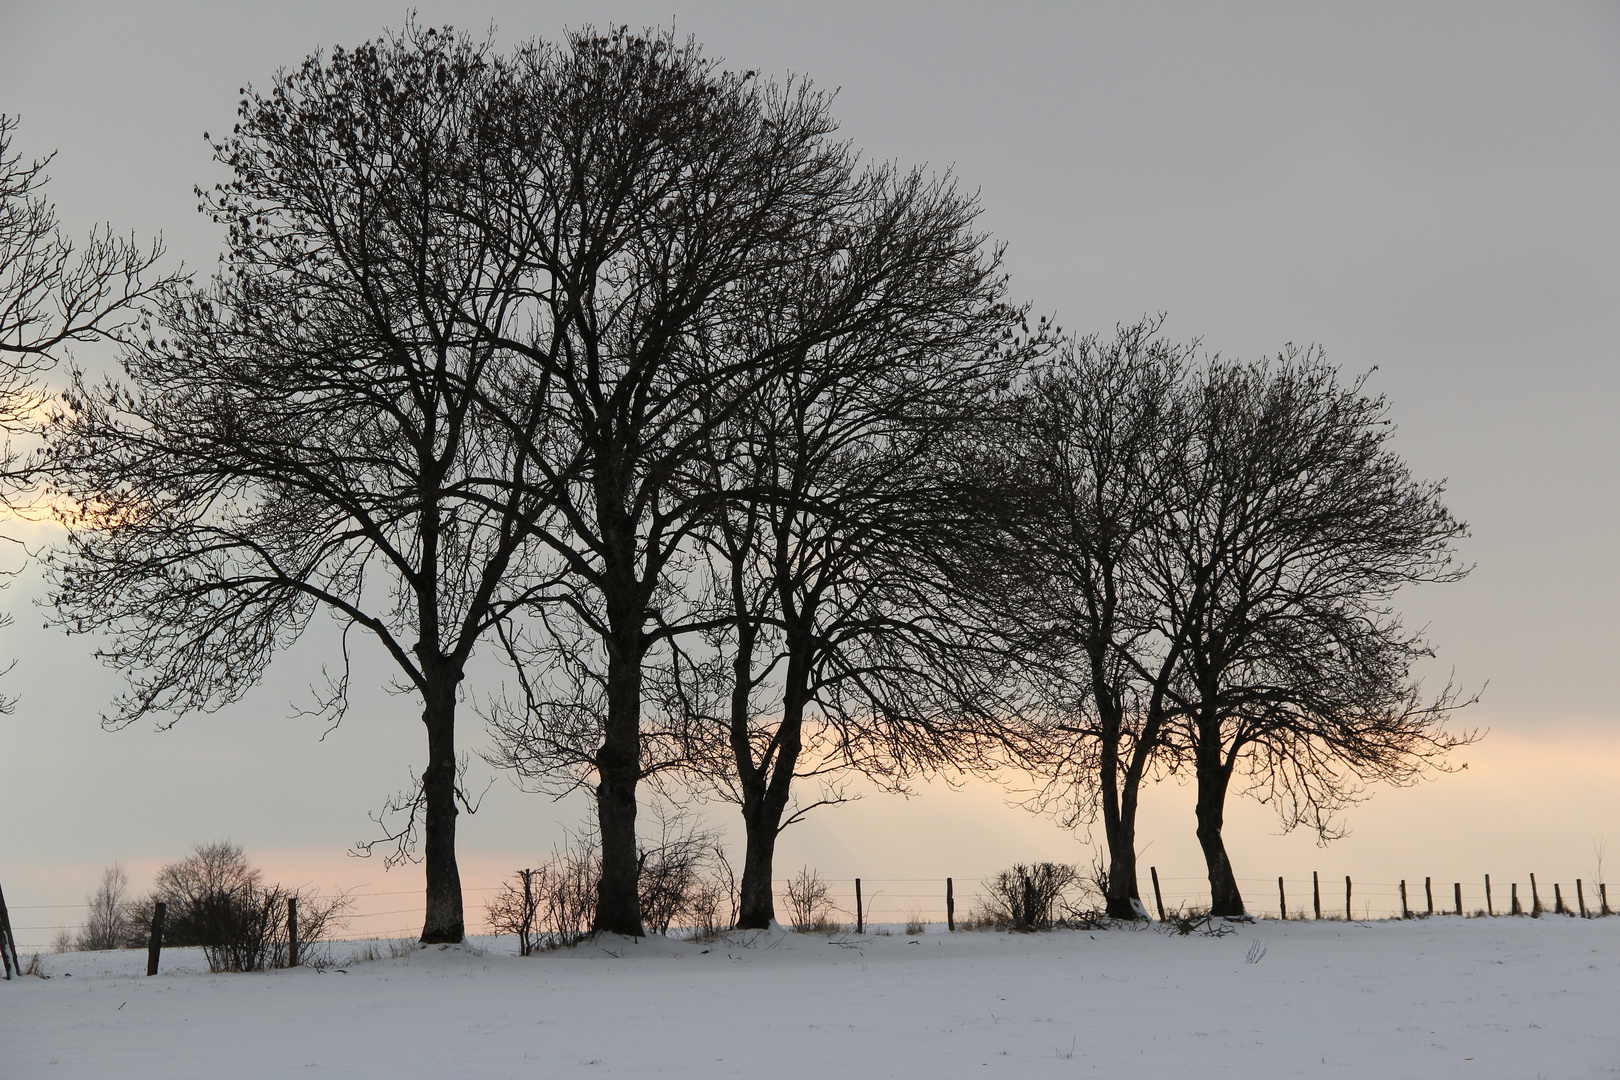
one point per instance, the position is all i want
(1426, 190)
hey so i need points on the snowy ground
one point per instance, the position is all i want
(1441, 997)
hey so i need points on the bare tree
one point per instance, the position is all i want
(326, 426)
(53, 294)
(1084, 481)
(110, 917)
(1295, 527)
(654, 188)
(1200, 562)
(841, 644)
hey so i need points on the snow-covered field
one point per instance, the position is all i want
(1511, 998)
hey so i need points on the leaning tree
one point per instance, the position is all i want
(326, 425)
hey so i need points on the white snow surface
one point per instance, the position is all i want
(1505, 997)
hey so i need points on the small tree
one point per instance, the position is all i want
(111, 916)
(1294, 526)
(218, 900)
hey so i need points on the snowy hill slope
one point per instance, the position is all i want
(1432, 998)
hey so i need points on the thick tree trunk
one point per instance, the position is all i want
(756, 907)
(1124, 901)
(1213, 776)
(444, 921)
(618, 763)
(1119, 829)
(762, 824)
(764, 803)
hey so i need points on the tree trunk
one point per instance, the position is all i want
(444, 920)
(1213, 776)
(1119, 829)
(618, 763)
(756, 907)
(763, 808)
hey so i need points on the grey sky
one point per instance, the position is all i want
(1426, 189)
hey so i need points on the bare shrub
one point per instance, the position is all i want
(712, 905)
(684, 880)
(513, 910)
(808, 901)
(1027, 897)
(108, 924)
(1185, 921)
(559, 904)
(915, 925)
(215, 898)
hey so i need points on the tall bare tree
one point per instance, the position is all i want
(654, 188)
(1295, 526)
(844, 647)
(327, 425)
(1087, 478)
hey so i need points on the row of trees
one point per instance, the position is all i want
(619, 365)
(1199, 561)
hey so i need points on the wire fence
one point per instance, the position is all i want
(894, 902)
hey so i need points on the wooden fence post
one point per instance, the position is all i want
(1158, 897)
(1428, 892)
(154, 944)
(1405, 913)
(1282, 900)
(860, 919)
(1580, 897)
(1316, 894)
(292, 931)
(1603, 891)
(8, 940)
(1489, 910)
(1516, 909)
(1535, 899)
(1558, 899)
(950, 906)
(1456, 893)
(1348, 917)
(526, 927)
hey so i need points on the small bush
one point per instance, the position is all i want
(558, 906)
(1027, 897)
(808, 901)
(685, 881)
(915, 925)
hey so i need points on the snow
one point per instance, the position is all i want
(1426, 998)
